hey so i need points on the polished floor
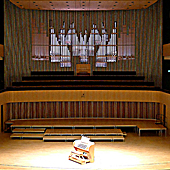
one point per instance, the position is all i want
(136, 153)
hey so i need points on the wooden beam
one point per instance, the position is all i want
(1, 50)
(166, 50)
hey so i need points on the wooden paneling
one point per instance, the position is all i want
(83, 68)
(0, 120)
(166, 50)
(1, 50)
(140, 104)
(78, 5)
(91, 95)
(100, 110)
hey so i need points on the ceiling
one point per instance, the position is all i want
(83, 5)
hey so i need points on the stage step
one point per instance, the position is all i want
(82, 83)
(110, 138)
(82, 87)
(97, 77)
(27, 135)
(42, 73)
(72, 73)
(28, 130)
(92, 138)
(58, 132)
(59, 138)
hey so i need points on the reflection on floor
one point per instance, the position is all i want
(146, 152)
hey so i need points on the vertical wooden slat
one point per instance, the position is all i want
(26, 110)
(112, 110)
(115, 110)
(118, 110)
(89, 109)
(103, 114)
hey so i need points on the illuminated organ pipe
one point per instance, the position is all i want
(75, 43)
(111, 48)
(84, 47)
(64, 49)
(102, 49)
(55, 48)
(91, 42)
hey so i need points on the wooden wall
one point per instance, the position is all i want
(117, 104)
(148, 39)
(1, 50)
(83, 109)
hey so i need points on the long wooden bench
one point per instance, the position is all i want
(110, 138)
(59, 138)
(83, 83)
(113, 132)
(92, 138)
(97, 77)
(27, 135)
(28, 130)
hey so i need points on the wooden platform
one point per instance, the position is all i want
(61, 138)
(27, 135)
(93, 123)
(92, 138)
(113, 132)
(28, 130)
(99, 80)
(93, 134)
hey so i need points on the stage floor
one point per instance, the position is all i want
(136, 153)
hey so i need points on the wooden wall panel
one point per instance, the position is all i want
(154, 102)
(72, 95)
(100, 109)
(166, 50)
(0, 120)
(1, 50)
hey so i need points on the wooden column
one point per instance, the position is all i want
(0, 120)
(4, 115)
(168, 117)
(166, 50)
(1, 50)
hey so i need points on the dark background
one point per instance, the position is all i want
(166, 40)
(1, 42)
(2, 21)
(166, 21)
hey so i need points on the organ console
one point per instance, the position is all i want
(83, 151)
